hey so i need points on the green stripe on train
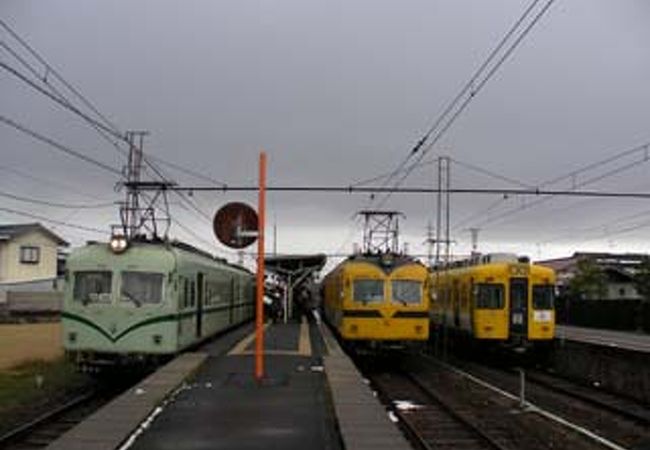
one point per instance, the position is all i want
(166, 318)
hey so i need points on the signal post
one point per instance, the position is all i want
(237, 225)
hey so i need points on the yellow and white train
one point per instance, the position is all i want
(378, 300)
(496, 298)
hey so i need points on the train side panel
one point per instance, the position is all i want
(498, 302)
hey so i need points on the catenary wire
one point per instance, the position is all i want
(54, 204)
(107, 130)
(472, 94)
(50, 220)
(468, 85)
(56, 145)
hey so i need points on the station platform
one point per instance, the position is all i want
(638, 342)
(312, 396)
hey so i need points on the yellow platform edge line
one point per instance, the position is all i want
(240, 348)
(304, 344)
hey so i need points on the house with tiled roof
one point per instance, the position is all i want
(618, 268)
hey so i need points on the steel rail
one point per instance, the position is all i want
(435, 401)
(25, 429)
(454, 413)
(531, 407)
(631, 414)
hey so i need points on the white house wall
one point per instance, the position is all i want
(12, 270)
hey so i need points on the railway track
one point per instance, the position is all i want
(615, 404)
(613, 421)
(429, 421)
(44, 429)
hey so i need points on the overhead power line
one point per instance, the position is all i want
(56, 145)
(185, 170)
(54, 204)
(60, 101)
(56, 74)
(53, 221)
(490, 173)
(474, 86)
(44, 181)
(643, 149)
(410, 190)
(468, 85)
(106, 128)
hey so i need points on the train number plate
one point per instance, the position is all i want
(517, 319)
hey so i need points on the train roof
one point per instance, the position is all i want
(385, 261)
(494, 262)
(179, 247)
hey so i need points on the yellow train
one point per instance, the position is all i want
(378, 300)
(496, 298)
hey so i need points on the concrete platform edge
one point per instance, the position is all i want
(362, 420)
(112, 425)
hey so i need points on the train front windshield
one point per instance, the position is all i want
(92, 286)
(142, 287)
(368, 291)
(406, 292)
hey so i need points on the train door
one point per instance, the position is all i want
(518, 306)
(199, 304)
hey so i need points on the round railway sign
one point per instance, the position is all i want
(235, 225)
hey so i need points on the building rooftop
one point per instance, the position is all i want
(8, 232)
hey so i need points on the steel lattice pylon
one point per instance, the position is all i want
(381, 231)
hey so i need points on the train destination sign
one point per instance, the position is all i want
(235, 225)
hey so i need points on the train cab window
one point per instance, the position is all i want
(142, 287)
(92, 287)
(406, 292)
(489, 296)
(368, 291)
(543, 296)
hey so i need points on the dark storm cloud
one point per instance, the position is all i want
(336, 92)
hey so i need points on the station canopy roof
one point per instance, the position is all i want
(290, 264)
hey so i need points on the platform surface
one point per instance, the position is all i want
(616, 339)
(225, 408)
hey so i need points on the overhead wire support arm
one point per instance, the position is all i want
(404, 190)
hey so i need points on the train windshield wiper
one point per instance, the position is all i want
(135, 301)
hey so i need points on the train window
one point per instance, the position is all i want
(141, 287)
(543, 296)
(368, 291)
(489, 296)
(192, 293)
(92, 287)
(406, 291)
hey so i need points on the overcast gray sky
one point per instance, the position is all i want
(338, 91)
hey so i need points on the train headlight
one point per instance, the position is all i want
(157, 339)
(72, 337)
(118, 243)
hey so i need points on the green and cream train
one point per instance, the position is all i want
(149, 301)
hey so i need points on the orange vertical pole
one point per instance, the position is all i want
(259, 314)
